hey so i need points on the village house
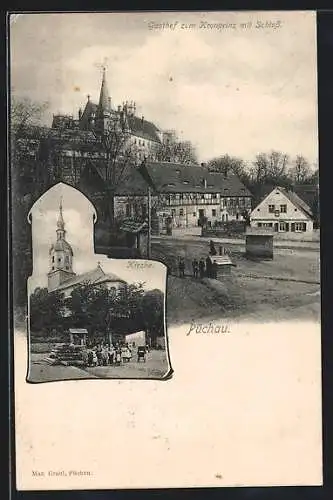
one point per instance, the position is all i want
(185, 193)
(282, 211)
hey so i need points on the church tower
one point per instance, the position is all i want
(61, 257)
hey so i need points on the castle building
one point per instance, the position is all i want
(61, 276)
(142, 137)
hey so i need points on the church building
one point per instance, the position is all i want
(61, 276)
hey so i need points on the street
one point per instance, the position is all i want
(285, 288)
(155, 367)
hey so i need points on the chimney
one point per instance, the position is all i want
(109, 103)
(204, 181)
(119, 108)
(88, 97)
(142, 119)
(80, 114)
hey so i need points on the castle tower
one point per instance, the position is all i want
(61, 257)
(103, 111)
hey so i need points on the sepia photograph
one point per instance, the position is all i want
(90, 317)
(165, 216)
(232, 209)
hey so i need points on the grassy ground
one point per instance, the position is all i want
(286, 288)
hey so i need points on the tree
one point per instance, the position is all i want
(172, 149)
(117, 155)
(47, 311)
(226, 164)
(152, 306)
(24, 113)
(270, 167)
(299, 172)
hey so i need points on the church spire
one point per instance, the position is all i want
(104, 99)
(60, 223)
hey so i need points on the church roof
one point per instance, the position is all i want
(96, 276)
(61, 245)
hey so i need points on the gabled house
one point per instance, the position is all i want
(282, 211)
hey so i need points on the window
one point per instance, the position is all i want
(258, 209)
(283, 226)
(181, 212)
(59, 260)
(67, 267)
(259, 224)
(52, 268)
(271, 208)
(214, 212)
(194, 214)
(53, 258)
(173, 212)
(283, 209)
(300, 226)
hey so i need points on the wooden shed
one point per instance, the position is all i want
(223, 265)
(259, 245)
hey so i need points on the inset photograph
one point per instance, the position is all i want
(90, 316)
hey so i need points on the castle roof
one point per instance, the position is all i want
(104, 104)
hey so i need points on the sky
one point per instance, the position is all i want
(226, 88)
(78, 214)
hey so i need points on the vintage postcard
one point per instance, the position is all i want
(165, 249)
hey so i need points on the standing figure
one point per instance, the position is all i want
(195, 267)
(214, 270)
(212, 250)
(202, 268)
(118, 356)
(181, 267)
(208, 267)
(111, 354)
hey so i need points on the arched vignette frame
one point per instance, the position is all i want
(169, 372)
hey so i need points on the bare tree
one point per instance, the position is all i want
(23, 114)
(174, 150)
(116, 156)
(270, 167)
(225, 164)
(300, 170)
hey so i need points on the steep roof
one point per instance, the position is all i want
(103, 104)
(143, 128)
(89, 109)
(297, 201)
(95, 276)
(177, 178)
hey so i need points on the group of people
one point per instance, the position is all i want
(203, 268)
(105, 354)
